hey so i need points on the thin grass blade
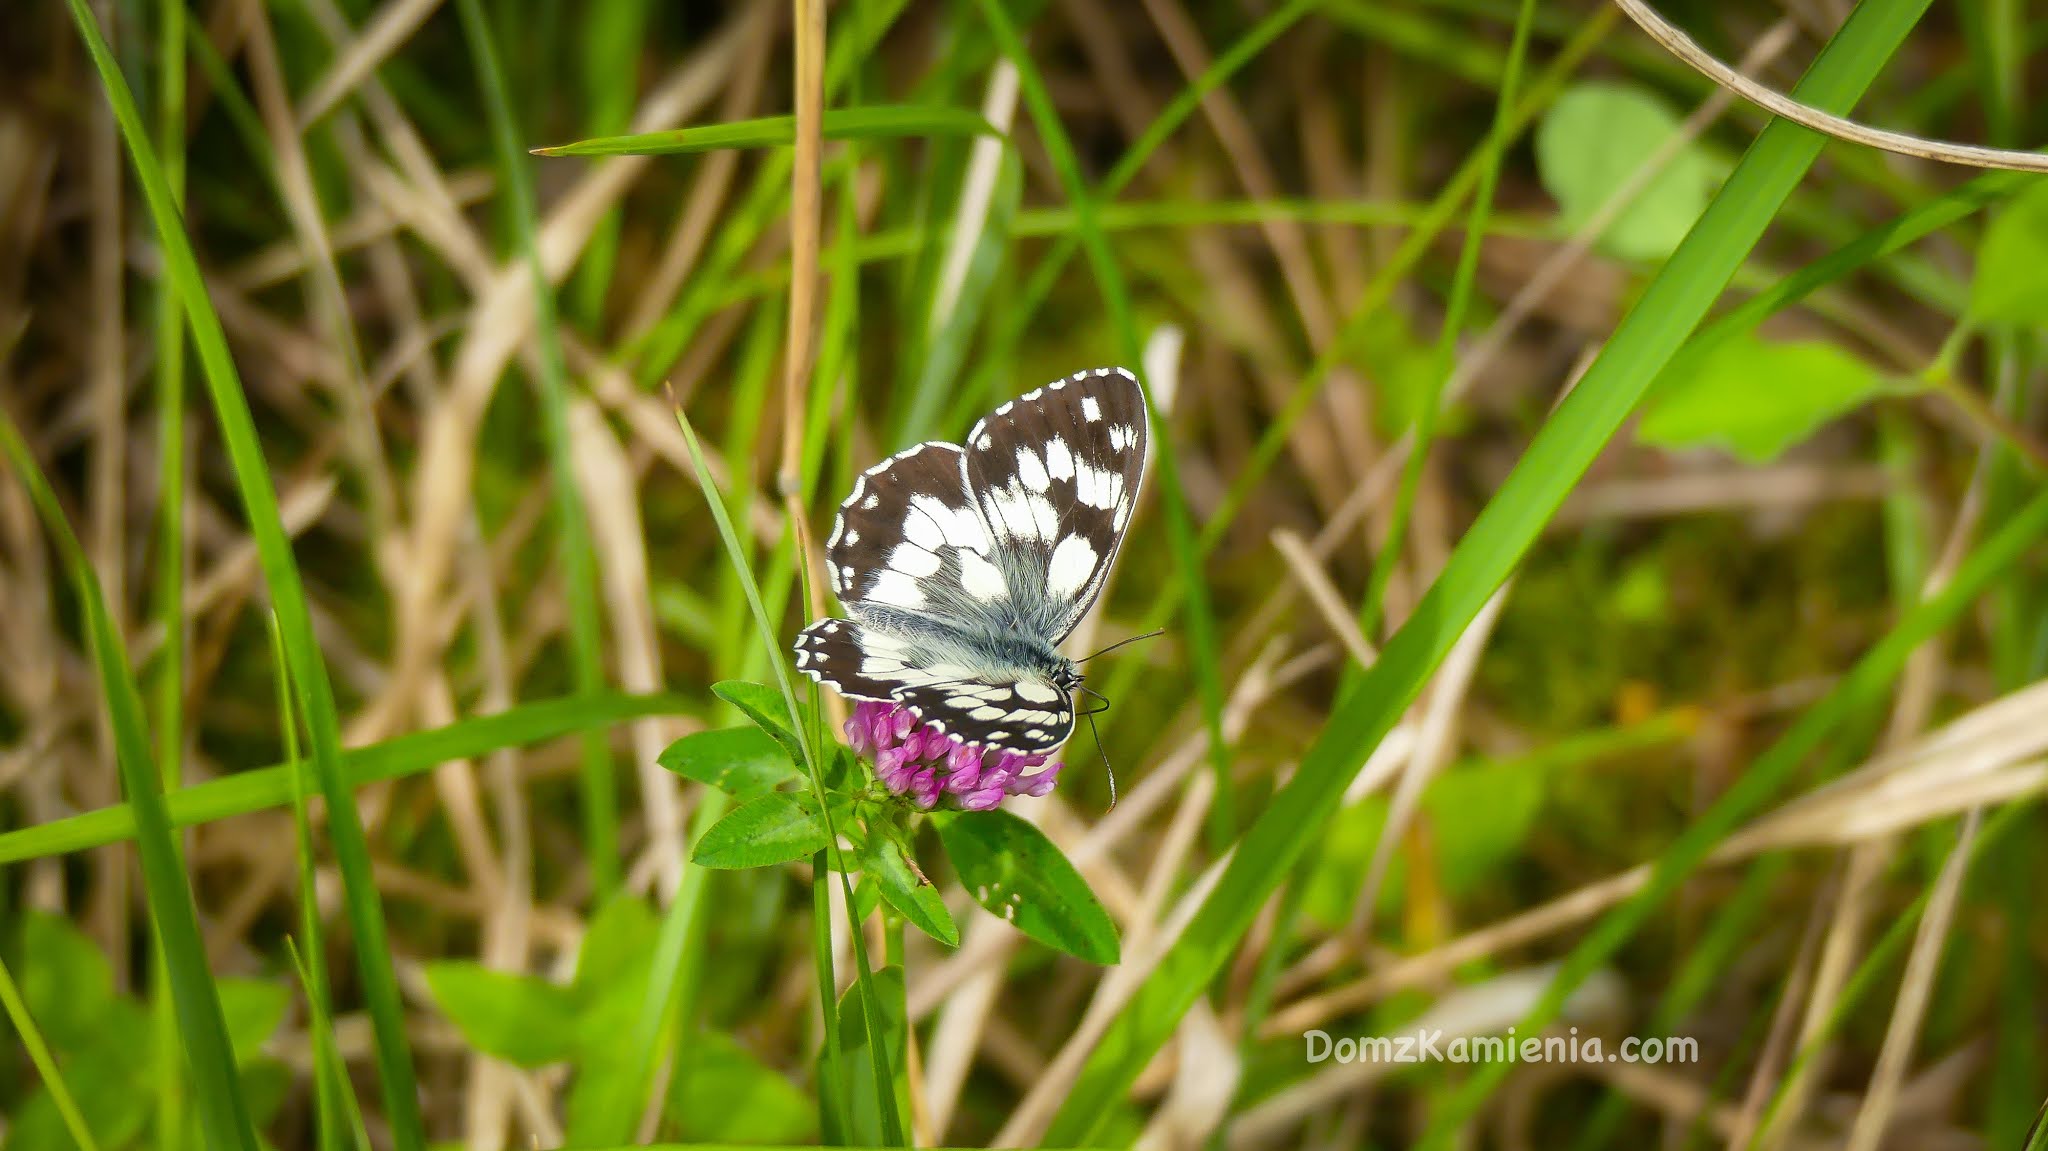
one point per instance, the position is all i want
(1672, 306)
(876, 122)
(287, 592)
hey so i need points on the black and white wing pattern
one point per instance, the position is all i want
(998, 708)
(1056, 475)
(964, 567)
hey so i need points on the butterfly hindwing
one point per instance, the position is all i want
(1055, 473)
(1023, 715)
(938, 685)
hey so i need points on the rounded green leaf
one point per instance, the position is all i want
(721, 1093)
(253, 1009)
(2012, 262)
(1755, 397)
(1590, 144)
(766, 830)
(742, 761)
(1014, 871)
(518, 1018)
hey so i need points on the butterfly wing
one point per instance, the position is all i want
(935, 679)
(1055, 474)
(909, 545)
(1025, 715)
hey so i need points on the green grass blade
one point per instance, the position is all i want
(892, 1123)
(46, 1067)
(1386, 280)
(411, 754)
(1203, 652)
(287, 592)
(171, 558)
(579, 567)
(312, 967)
(1863, 687)
(1446, 356)
(610, 42)
(875, 122)
(209, 1057)
(1645, 341)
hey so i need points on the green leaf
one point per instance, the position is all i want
(741, 761)
(1012, 869)
(1592, 141)
(1480, 817)
(2012, 262)
(878, 121)
(518, 1018)
(66, 983)
(909, 892)
(768, 709)
(880, 998)
(721, 1094)
(253, 1009)
(618, 941)
(1755, 397)
(766, 830)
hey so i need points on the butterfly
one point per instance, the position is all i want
(965, 565)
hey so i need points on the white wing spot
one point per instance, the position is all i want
(986, 713)
(897, 590)
(1059, 459)
(1036, 692)
(1023, 515)
(871, 503)
(852, 537)
(980, 578)
(913, 560)
(1097, 487)
(959, 527)
(1031, 471)
(922, 530)
(1073, 562)
(1090, 410)
(984, 442)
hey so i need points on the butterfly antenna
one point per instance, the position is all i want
(1153, 634)
(1107, 770)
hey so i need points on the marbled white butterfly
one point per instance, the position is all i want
(965, 565)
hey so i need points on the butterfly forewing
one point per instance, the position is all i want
(908, 537)
(1055, 473)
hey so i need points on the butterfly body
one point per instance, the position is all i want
(963, 566)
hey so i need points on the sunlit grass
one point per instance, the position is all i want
(1326, 207)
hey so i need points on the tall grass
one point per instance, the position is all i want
(1671, 307)
(1328, 201)
(280, 569)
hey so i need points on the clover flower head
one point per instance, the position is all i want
(927, 766)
